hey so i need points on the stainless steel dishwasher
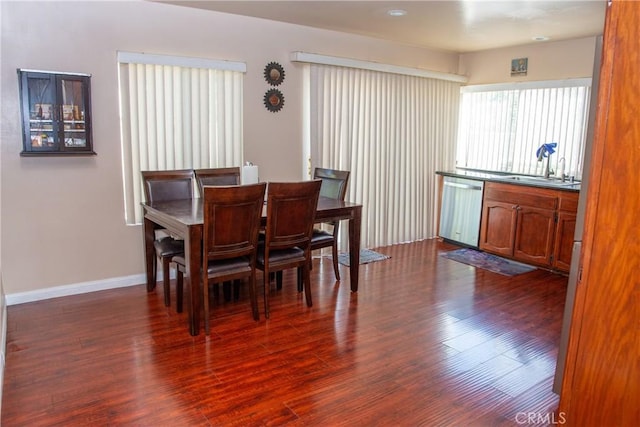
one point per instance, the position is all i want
(461, 210)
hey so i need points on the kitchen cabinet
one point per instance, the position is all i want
(565, 228)
(534, 235)
(56, 113)
(498, 226)
(522, 223)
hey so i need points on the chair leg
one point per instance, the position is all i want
(334, 253)
(307, 284)
(252, 295)
(236, 289)
(205, 286)
(300, 278)
(154, 275)
(179, 291)
(166, 281)
(279, 280)
(265, 284)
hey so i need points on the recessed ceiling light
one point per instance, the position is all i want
(396, 12)
(540, 38)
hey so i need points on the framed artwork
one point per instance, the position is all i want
(519, 66)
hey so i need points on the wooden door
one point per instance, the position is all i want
(534, 235)
(601, 384)
(498, 227)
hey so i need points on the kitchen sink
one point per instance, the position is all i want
(539, 180)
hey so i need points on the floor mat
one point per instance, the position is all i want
(366, 256)
(489, 262)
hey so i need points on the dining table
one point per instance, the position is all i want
(183, 219)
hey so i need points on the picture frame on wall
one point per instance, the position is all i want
(519, 66)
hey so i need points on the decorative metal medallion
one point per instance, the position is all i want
(274, 73)
(273, 100)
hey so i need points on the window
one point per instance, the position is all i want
(177, 113)
(392, 131)
(501, 127)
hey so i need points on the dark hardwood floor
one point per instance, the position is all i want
(426, 341)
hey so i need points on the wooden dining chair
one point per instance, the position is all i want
(291, 210)
(217, 176)
(161, 186)
(334, 186)
(231, 221)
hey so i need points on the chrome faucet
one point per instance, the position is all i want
(547, 170)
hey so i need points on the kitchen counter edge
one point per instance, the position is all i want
(496, 177)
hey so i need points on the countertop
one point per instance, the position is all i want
(515, 179)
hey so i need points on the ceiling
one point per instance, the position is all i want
(457, 26)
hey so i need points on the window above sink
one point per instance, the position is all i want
(501, 126)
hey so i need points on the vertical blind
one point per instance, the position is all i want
(500, 130)
(176, 115)
(392, 132)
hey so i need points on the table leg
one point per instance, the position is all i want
(193, 257)
(149, 253)
(354, 247)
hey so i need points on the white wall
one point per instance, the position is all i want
(547, 61)
(62, 218)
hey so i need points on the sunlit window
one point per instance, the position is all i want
(177, 113)
(501, 126)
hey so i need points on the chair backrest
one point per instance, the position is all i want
(232, 217)
(291, 210)
(160, 186)
(217, 176)
(334, 182)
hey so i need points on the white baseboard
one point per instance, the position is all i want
(76, 288)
